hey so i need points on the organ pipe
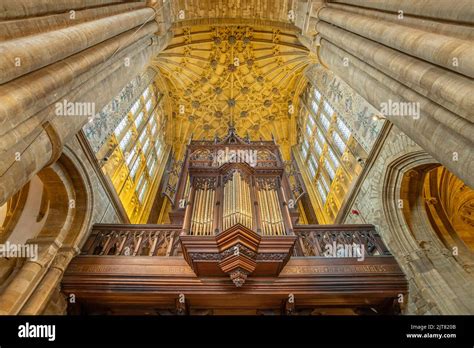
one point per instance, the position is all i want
(237, 208)
(271, 215)
(203, 210)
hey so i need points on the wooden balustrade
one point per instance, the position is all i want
(320, 240)
(133, 240)
(163, 240)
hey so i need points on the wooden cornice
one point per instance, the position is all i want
(155, 282)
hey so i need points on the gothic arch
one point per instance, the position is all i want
(65, 212)
(430, 266)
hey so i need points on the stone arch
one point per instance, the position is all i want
(66, 208)
(434, 273)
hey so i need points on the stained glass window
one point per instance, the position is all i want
(328, 110)
(311, 123)
(139, 120)
(146, 93)
(312, 167)
(138, 149)
(143, 136)
(154, 129)
(329, 169)
(318, 148)
(129, 156)
(317, 95)
(308, 130)
(146, 146)
(346, 133)
(151, 168)
(321, 137)
(126, 140)
(141, 195)
(121, 126)
(158, 149)
(314, 106)
(334, 159)
(135, 167)
(140, 182)
(329, 125)
(135, 107)
(321, 191)
(305, 148)
(149, 105)
(341, 146)
(325, 122)
(324, 182)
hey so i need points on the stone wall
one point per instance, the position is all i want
(103, 207)
(31, 286)
(438, 283)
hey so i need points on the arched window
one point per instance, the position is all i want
(138, 151)
(326, 149)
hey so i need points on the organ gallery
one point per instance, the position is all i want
(233, 230)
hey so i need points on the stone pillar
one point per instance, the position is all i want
(56, 52)
(434, 48)
(457, 11)
(447, 88)
(43, 292)
(63, 43)
(24, 283)
(446, 145)
(386, 52)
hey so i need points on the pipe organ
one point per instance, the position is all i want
(202, 218)
(271, 216)
(230, 181)
(237, 200)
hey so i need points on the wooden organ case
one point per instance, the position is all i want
(235, 203)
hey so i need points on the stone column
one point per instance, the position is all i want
(42, 294)
(60, 51)
(451, 90)
(449, 147)
(457, 11)
(437, 49)
(16, 294)
(386, 52)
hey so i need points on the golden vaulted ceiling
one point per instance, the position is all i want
(248, 76)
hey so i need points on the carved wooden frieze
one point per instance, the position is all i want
(203, 183)
(267, 183)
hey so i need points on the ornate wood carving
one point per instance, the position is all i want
(314, 239)
(157, 282)
(133, 240)
(238, 252)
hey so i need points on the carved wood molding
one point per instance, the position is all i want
(238, 252)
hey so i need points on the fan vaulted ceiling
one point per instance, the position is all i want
(246, 76)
